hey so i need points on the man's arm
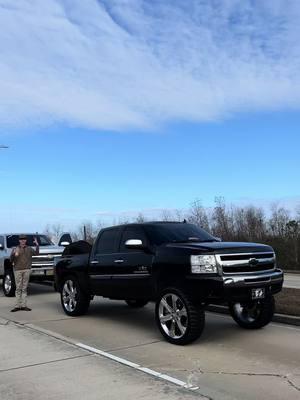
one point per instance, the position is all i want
(14, 254)
(36, 252)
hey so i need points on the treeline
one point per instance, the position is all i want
(278, 228)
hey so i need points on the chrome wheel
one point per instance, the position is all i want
(7, 283)
(173, 316)
(69, 295)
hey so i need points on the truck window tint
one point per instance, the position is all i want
(106, 242)
(13, 240)
(167, 233)
(132, 233)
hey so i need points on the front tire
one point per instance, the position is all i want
(254, 314)
(178, 318)
(8, 283)
(74, 300)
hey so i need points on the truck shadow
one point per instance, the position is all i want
(217, 327)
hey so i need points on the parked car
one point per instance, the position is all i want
(42, 264)
(179, 266)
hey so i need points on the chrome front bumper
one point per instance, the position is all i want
(259, 279)
(42, 271)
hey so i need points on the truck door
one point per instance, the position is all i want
(102, 261)
(132, 269)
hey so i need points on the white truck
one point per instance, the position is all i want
(42, 264)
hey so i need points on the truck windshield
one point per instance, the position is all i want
(180, 233)
(13, 240)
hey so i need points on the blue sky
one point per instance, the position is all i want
(111, 108)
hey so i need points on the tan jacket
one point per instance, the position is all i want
(21, 257)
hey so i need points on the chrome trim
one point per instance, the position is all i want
(50, 265)
(99, 276)
(244, 262)
(48, 255)
(133, 275)
(42, 269)
(120, 261)
(133, 242)
(270, 278)
(241, 262)
(247, 254)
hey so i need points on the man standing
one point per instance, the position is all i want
(21, 258)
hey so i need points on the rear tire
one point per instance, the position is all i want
(253, 315)
(8, 283)
(136, 303)
(179, 320)
(74, 300)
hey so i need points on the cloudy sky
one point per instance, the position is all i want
(116, 105)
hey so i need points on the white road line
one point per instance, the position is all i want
(138, 367)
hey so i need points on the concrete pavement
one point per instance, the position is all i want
(36, 366)
(291, 280)
(225, 363)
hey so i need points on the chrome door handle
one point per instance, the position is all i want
(94, 262)
(119, 261)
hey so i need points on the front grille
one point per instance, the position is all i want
(246, 263)
(256, 268)
(44, 259)
(238, 257)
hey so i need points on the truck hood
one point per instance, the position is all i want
(223, 247)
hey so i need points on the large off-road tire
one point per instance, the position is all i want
(254, 314)
(8, 283)
(74, 300)
(179, 320)
(136, 303)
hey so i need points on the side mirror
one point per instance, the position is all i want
(65, 238)
(218, 239)
(134, 244)
(1, 247)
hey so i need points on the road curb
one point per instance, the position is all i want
(281, 318)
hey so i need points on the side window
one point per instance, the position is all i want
(107, 242)
(2, 241)
(131, 233)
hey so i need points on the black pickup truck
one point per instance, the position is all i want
(179, 266)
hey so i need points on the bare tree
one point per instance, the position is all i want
(140, 218)
(278, 221)
(198, 215)
(54, 231)
(222, 220)
(166, 215)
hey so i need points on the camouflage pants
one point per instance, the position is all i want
(22, 279)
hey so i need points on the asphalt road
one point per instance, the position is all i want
(292, 280)
(227, 362)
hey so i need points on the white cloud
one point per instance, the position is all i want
(118, 64)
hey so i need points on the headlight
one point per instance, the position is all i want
(204, 264)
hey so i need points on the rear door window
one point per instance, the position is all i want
(107, 243)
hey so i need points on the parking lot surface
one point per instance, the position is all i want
(227, 362)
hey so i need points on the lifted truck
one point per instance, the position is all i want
(180, 267)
